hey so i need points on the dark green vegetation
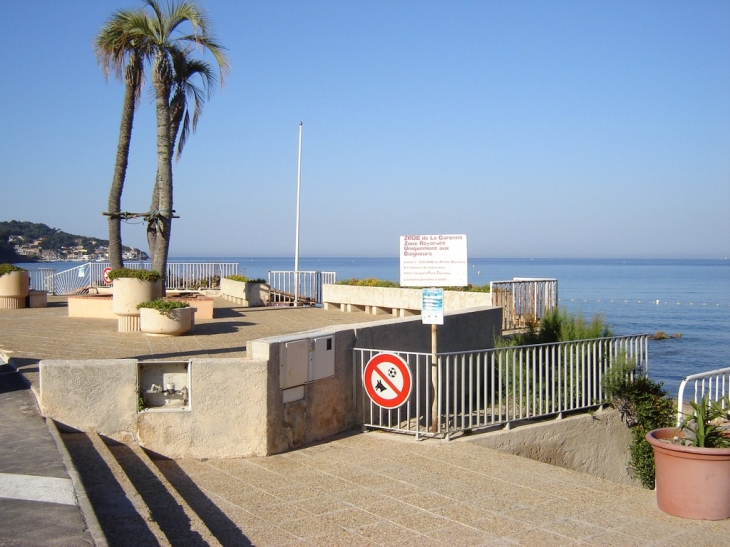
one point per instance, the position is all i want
(145, 275)
(7, 268)
(49, 239)
(8, 254)
(372, 282)
(559, 326)
(644, 405)
(164, 37)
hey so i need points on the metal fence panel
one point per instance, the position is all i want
(180, 276)
(303, 288)
(472, 390)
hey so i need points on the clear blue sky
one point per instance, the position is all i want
(539, 129)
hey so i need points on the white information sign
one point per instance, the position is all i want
(432, 307)
(433, 261)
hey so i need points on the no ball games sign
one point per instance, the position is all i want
(387, 380)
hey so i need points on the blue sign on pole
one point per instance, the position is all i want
(432, 307)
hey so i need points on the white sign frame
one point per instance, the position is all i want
(432, 306)
(433, 260)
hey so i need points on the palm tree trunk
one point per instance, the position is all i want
(120, 170)
(151, 223)
(152, 233)
(161, 81)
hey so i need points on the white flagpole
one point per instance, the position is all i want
(296, 242)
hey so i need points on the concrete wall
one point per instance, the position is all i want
(395, 301)
(227, 416)
(236, 406)
(597, 444)
(93, 395)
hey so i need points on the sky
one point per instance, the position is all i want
(560, 129)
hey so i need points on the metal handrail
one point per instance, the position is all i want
(716, 383)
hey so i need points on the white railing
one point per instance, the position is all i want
(42, 279)
(500, 386)
(714, 383)
(524, 301)
(298, 288)
(180, 276)
(199, 275)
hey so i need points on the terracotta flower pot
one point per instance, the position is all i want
(178, 322)
(691, 482)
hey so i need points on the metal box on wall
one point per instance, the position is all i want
(307, 360)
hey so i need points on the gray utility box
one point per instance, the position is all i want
(307, 360)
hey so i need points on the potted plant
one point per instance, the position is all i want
(131, 287)
(14, 286)
(693, 463)
(245, 291)
(166, 317)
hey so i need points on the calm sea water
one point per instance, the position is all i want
(687, 297)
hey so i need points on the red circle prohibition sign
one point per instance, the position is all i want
(105, 275)
(387, 380)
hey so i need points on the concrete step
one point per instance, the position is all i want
(180, 524)
(120, 520)
(133, 502)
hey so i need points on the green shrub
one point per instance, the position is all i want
(373, 282)
(706, 425)
(144, 275)
(369, 282)
(644, 405)
(7, 268)
(244, 279)
(163, 306)
(558, 326)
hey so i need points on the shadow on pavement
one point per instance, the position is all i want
(223, 528)
(10, 380)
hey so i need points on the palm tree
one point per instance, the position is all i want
(185, 70)
(164, 30)
(124, 55)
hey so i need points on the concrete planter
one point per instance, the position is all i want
(692, 483)
(247, 294)
(14, 288)
(179, 321)
(128, 292)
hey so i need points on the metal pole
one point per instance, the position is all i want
(435, 415)
(296, 243)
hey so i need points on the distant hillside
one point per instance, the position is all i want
(28, 241)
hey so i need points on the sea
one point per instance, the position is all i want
(684, 297)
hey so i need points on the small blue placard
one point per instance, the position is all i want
(432, 307)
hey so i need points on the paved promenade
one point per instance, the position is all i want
(360, 489)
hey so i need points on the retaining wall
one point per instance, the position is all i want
(236, 406)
